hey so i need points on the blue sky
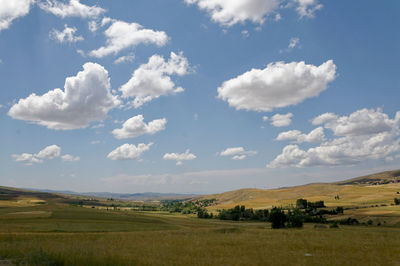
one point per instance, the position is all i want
(195, 96)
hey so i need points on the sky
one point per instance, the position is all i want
(196, 96)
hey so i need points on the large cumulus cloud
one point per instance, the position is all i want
(278, 85)
(86, 98)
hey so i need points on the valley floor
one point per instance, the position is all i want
(57, 234)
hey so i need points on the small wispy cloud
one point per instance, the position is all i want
(98, 126)
(293, 43)
(125, 59)
(65, 36)
(237, 153)
(245, 34)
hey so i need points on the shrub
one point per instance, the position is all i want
(334, 225)
(348, 221)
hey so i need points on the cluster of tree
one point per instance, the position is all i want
(182, 206)
(202, 213)
(315, 211)
(186, 206)
(304, 204)
(277, 216)
(305, 212)
(241, 213)
(204, 203)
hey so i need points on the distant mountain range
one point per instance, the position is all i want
(253, 197)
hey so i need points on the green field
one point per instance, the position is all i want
(58, 234)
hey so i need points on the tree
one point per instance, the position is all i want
(295, 218)
(301, 203)
(396, 201)
(277, 218)
(339, 209)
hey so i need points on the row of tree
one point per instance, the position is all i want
(304, 211)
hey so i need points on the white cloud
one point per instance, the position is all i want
(180, 157)
(101, 125)
(279, 120)
(317, 135)
(49, 153)
(278, 85)
(245, 33)
(67, 35)
(92, 25)
(86, 98)
(322, 119)
(129, 151)
(134, 127)
(11, 10)
(237, 153)
(26, 158)
(265, 118)
(293, 42)
(230, 12)
(124, 59)
(94, 142)
(361, 122)
(72, 9)
(81, 52)
(152, 80)
(122, 35)
(106, 20)
(307, 8)
(70, 158)
(239, 157)
(363, 135)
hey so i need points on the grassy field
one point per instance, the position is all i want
(57, 234)
(53, 229)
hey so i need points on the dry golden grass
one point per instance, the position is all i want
(349, 195)
(21, 201)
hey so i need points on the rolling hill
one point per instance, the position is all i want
(379, 188)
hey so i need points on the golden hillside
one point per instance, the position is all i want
(357, 191)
